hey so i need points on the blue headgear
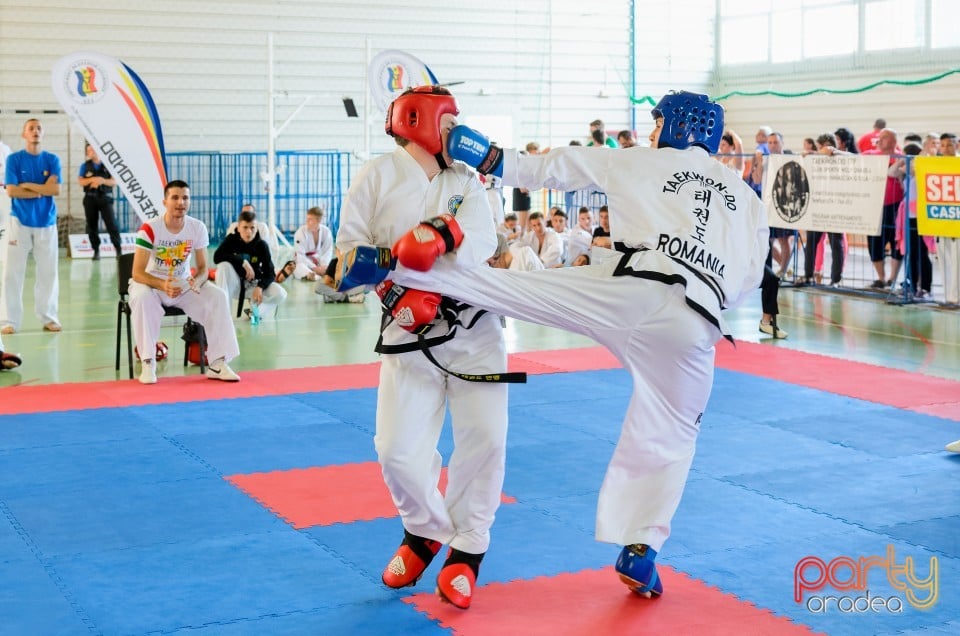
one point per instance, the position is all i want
(689, 119)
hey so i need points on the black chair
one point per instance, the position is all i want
(124, 272)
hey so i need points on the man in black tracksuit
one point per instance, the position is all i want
(245, 256)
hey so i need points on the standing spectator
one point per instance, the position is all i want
(32, 181)
(98, 185)
(917, 250)
(827, 145)
(598, 135)
(948, 249)
(730, 152)
(419, 182)
(762, 139)
(780, 237)
(870, 141)
(313, 246)
(243, 258)
(626, 139)
(893, 195)
(4, 199)
(162, 278)
(809, 146)
(521, 196)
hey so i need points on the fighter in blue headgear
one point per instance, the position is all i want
(689, 119)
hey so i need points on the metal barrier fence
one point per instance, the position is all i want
(220, 183)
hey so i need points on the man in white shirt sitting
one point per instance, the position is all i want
(580, 237)
(543, 241)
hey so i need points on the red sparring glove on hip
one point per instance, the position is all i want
(420, 248)
(413, 309)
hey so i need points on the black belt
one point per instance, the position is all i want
(450, 309)
(672, 279)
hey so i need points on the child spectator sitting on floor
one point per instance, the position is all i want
(326, 287)
(313, 246)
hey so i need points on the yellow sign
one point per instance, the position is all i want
(938, 196)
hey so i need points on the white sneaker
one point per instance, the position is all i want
(357, 298)
(220, 370)
(148, 372)
(768, 329)
(953, 447)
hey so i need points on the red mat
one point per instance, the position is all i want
(901, 389)
(594, 602)
(305, 497)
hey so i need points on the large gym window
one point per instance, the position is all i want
(763, 31)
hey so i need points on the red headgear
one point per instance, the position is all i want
(415, 115)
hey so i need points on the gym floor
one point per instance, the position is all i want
(306, 332)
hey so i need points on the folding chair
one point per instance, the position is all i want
(124, 272)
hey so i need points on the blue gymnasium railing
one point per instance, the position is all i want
(222, 182)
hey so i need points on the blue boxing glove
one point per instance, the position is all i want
(363, 265)
(474, 149)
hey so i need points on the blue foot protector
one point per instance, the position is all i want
(636, 568)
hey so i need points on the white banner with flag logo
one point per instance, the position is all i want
(116, 114)
(392, 72)
(840, 193)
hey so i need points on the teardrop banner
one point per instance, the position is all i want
(392, 72)
(112, 107)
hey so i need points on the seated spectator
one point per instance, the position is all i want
(601, 234)
(243, 258)
(509, 230)
(558, 222)
(581, 260)
(262, 229)
(543, 241)
(325, 287)
(626, 139)
(516, 257)
(313, 246)
(162, 277)
(580, 237)
(598, 135)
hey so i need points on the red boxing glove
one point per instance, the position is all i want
(420, 248)
(412, 309)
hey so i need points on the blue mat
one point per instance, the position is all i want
(120, 521)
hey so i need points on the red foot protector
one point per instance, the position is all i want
(596, 602)
(306, 497)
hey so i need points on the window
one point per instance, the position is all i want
(893, 24)
(944, 21)
(763, 31)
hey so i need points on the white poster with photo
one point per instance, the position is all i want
(841, 193)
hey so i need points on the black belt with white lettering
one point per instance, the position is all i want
(449, 309)
(672, 279)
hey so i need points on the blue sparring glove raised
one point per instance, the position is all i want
(474, 149)
(363, 265)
